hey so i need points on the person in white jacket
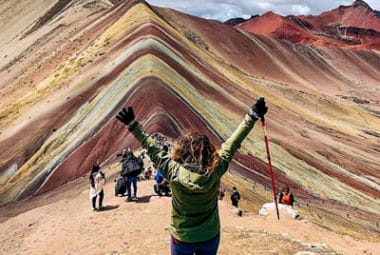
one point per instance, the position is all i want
(97, 180)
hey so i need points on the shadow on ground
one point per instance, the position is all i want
(108, 208)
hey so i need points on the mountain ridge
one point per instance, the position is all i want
(356, 26)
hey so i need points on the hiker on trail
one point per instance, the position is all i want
(286, 197)
(221, 192)
(235, 197)
(97, 180)
(194, 168)
(132, 166)
(162, 185)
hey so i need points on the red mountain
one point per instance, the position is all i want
(355, 27)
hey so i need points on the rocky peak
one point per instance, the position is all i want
(360, 3)
(236, 21)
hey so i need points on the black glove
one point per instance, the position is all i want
(259, 109)
(127, 117)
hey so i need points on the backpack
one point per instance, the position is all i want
(286, 199)
(131, 167)
(120, 186)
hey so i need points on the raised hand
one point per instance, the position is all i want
(259, 109)
(127, 117)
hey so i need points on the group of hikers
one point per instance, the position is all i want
(194, 168)
(132, 170)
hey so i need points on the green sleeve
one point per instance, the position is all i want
(159, 157)
(232, 144)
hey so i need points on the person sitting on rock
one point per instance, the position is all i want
(286, 197)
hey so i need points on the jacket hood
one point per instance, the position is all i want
(194, 181)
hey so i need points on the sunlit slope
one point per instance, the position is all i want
(107, 89)
(178, 75)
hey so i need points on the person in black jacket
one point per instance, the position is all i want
(235, 197)
(131, 168)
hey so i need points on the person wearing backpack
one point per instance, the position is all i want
(132, 166)
(235, 197)
(286, 197)
(194, 168)
(97, 180)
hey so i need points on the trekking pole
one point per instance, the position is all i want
(270, 165)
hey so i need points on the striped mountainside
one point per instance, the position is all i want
(67, 68)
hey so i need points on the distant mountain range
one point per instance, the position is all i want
(356, 26)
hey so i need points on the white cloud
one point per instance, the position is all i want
(226, 9)
(300, 9)
(265, 6)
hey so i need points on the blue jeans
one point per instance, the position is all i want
(209, 247)
(132, 180)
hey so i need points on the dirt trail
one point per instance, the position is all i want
(67, 225)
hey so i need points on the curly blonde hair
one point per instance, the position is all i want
(196, 148)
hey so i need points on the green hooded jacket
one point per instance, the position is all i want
(195, 215)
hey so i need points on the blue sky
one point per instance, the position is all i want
(225, 9)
